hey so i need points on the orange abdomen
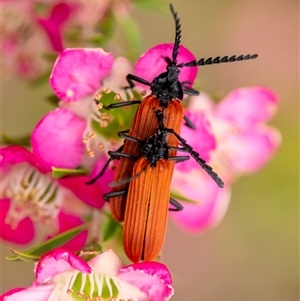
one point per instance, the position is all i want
(143, 126)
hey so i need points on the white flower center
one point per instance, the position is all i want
(91, 287)
(32, 194)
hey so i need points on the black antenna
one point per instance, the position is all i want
(218, 60)
(177, 36)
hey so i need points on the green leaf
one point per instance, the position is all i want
(53, 99)
(59, 173)
(111, 228)
(50, 56)
(132, 36)
(23, 256)
(155, 5)
(52, 243)
(23, 140)
(179, 196)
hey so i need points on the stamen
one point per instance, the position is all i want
(104, 124)
(99, 96)
(83, 282)
(92, 135)
(91, 153)
(32, 194)
(92, 283)
(99, 282)
(113, 141)
(107, 280)
(117, 97)
(100, 105)
(101, 146)
(106, 90)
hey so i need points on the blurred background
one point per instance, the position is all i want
(253, 253)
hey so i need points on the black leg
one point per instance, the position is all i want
(131, 78)
(127, 137)
(188, 122)
(179, 158)
(113, 194)
(177, 206)
(112, 157)
(117, 155)
(122, 104)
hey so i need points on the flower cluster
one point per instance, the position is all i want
(35, 32)
(45, 186)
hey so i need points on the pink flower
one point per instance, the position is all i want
(152, 63)
(61, 275)
(24, 40)
(78, 127)
(242, 143)
(31, 197)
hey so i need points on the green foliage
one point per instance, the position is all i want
(55, 242)
(23, 140)
(59, 173)
(111, 228)
(132, 36)
(177, 195)
(155, 5)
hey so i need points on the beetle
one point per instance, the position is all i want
(148, 194)
(166, 95)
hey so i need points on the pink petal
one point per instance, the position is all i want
(39, 293)
(54, 34)
(152, 278)
(15, 154)
(248, 106)
(57, 139)
(23, 233)
(78, 72)
(60, 13)
(52, 26)
(57, 261)
(11, 292)
(201, 139)
(90, 194)
(251, 149)
(67, 222)
(152, 63)
(213, 201)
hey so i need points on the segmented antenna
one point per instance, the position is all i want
(218, 60)
(177, 35)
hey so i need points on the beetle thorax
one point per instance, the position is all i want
(166, 86)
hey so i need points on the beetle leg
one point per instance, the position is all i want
(122, 104)
(113, 194)
(179, 158)
(127, 137)
(188, 122)
(177, 205)
(131, 78)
